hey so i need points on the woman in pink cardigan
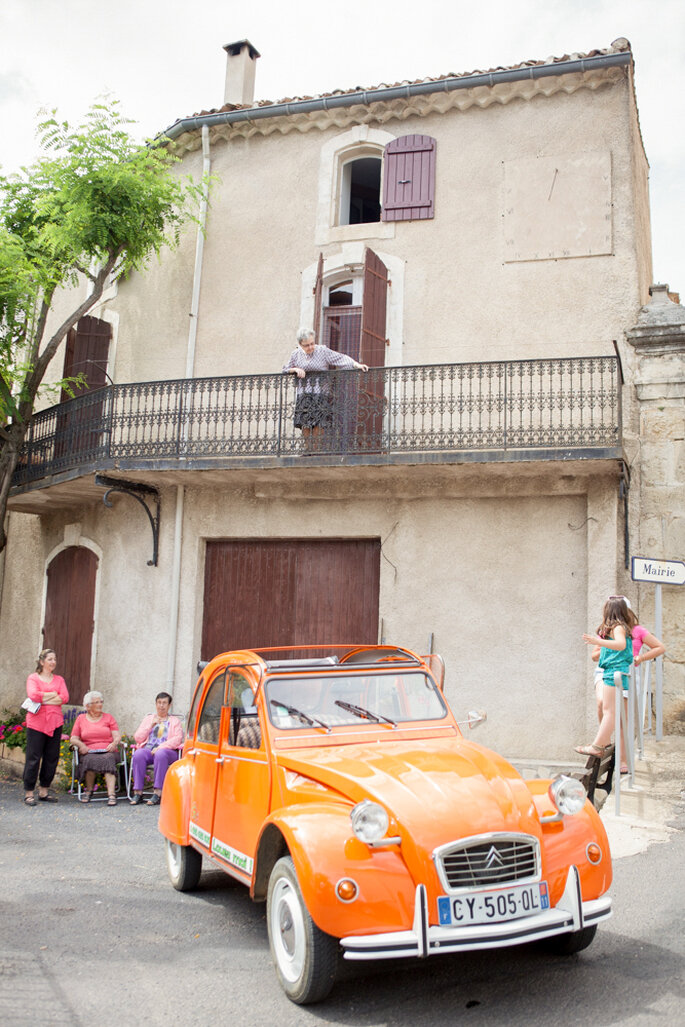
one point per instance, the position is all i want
(159, 738)
(44, 727)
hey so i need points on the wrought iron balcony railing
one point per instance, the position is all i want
(571, 405)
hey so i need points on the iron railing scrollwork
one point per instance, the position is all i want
(561, 404)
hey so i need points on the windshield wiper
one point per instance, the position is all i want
(359, 711)
(294, 712)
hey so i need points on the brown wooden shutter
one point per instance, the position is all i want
(409, 179)
(318, 296)
(69, 611)
(87, 352)
(79, 431)
(374, 311)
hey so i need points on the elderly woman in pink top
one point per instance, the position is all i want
(44, 727)
(159, 738)
(96, 736)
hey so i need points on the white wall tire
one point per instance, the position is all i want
(305, 957)
(184, 865)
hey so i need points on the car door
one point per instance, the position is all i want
(243, 780)
(205, 753)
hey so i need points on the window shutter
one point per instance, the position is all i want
(87, 352)
(409, 179)
(374, 311)
(318, 293)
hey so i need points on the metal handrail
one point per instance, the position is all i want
(568, 404)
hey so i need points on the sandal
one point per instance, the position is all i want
(591, 749)
(48, 798)
(86, 797)
(29, 801)
(137, 799)
(111, 800)
(624, 769)
(154, 801)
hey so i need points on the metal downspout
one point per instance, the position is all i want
(190, 370)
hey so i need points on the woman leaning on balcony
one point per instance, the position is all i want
(313, 403)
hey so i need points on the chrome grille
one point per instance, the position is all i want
(485, 863)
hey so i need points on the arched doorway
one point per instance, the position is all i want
(69, 616)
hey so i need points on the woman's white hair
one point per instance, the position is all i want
(305, 333)
(90, 697)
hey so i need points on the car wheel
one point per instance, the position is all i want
(305, 957)
(184, 865)
(567, 944)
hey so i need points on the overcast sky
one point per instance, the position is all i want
(163, 59)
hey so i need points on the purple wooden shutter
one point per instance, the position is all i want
(373, 311)
(409, 179)
(318, 293)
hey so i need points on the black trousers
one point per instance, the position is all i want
(41, 751)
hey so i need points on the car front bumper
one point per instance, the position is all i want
(571, 914)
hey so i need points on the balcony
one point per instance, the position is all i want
(561, 409)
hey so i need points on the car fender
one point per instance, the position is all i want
(174, 812)
(566, 842)
(324, 850)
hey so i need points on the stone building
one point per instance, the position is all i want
(481, 241)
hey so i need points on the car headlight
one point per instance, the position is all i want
(567, 794)
(369, 821)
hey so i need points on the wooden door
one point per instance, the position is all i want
(69, 611)
(80, 424)
(295, 592)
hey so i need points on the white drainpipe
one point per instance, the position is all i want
(190, 371)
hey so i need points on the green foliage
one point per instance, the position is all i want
(98, 202)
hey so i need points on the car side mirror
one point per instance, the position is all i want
(473, 719)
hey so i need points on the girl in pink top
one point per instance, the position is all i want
(44, 727)
(643, 637)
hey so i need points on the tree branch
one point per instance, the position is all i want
(86, 274)
(35, 378)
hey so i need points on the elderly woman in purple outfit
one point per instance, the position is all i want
(159, 738)
(313, 404)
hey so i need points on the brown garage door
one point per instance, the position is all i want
(279, 593)
(69, 606)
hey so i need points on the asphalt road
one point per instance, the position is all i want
(91, 932)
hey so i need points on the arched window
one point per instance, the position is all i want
(360, 191)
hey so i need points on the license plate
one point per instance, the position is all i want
(490, 907)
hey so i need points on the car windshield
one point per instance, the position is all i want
(333, 700)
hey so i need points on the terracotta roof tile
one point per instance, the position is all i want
(617, 46)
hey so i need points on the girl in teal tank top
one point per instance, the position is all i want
(616, 654)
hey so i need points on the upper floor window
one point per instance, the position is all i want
(360, 191)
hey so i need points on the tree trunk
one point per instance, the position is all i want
(9, 458)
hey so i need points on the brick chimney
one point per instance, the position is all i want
(241, 60)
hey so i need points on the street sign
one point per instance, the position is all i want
(661, 572)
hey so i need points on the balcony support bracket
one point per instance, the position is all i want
(139, 493)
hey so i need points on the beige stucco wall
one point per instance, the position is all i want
(505, 565)
(459, 561)
(264, 222)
